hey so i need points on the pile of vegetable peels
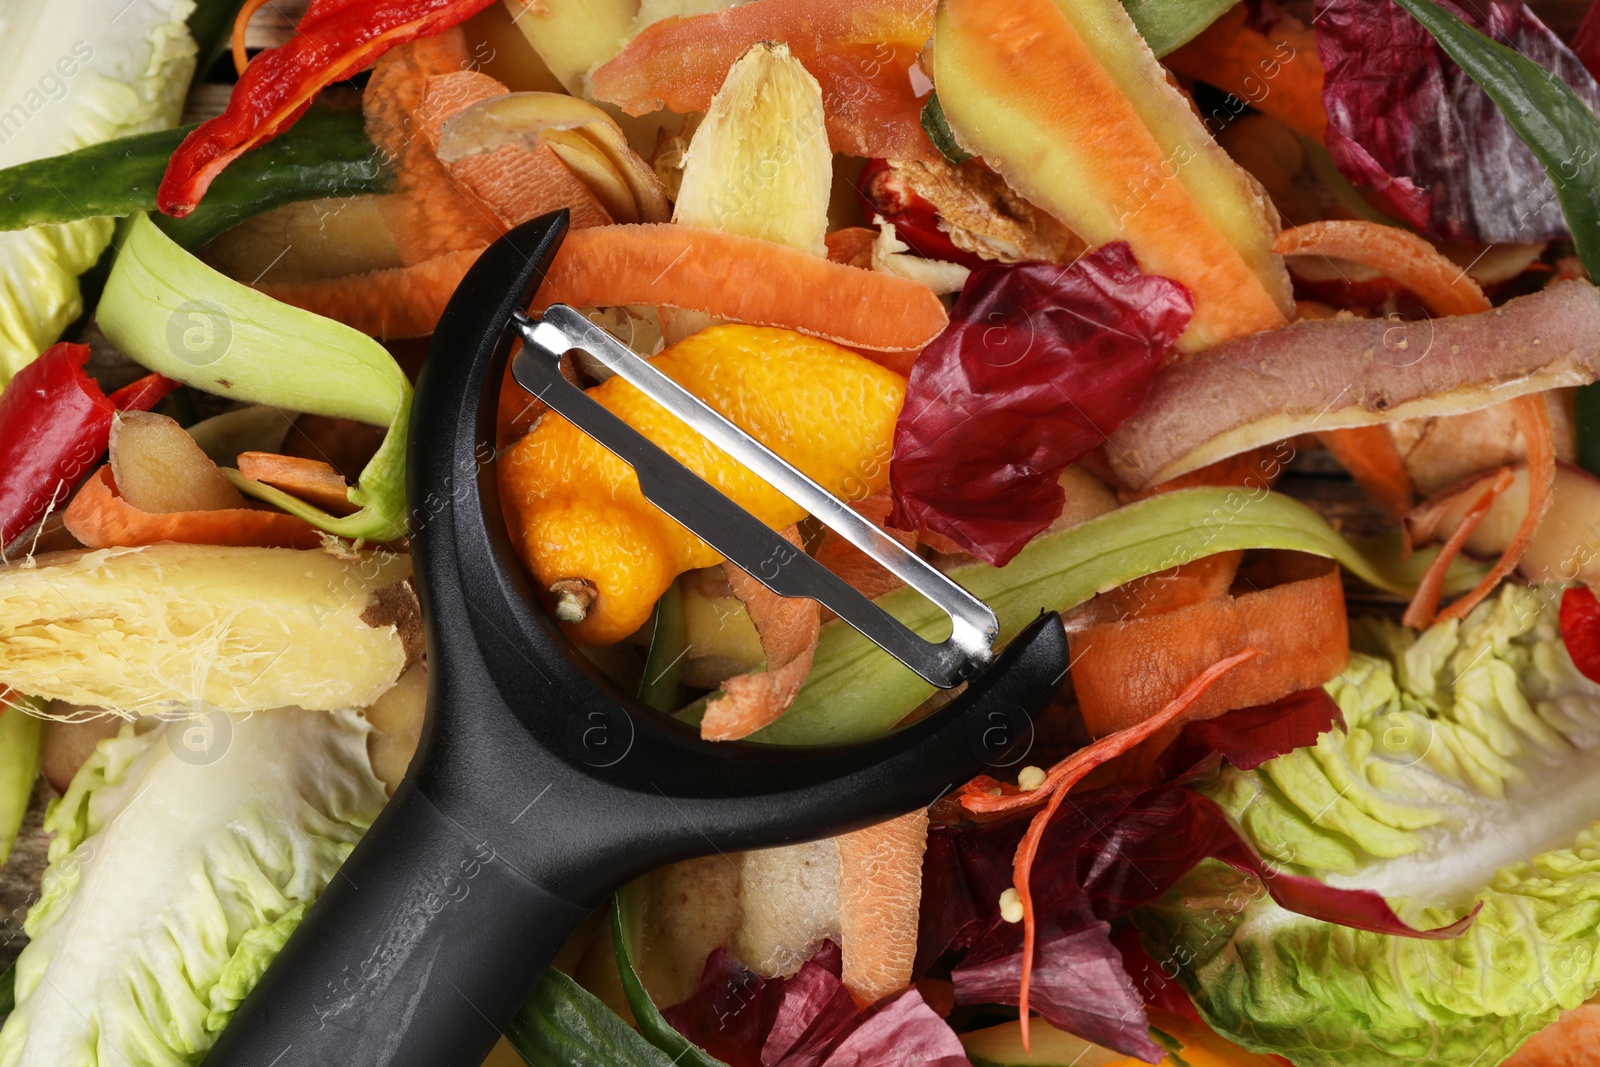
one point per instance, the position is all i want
(1259, 341)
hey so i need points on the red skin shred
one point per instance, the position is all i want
(54, 426)
(1580, 629)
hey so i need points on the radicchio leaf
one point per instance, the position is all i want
(1249, 737)
(809, 1020)
(1039, 363)
(1408, 122)
(1079, 984)
(1586, 41)
(1107, 852)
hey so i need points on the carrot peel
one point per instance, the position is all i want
(1424, 605)
(789, 628)
(1533, 418)
(100, 518)
(740, 279)
(1060, 779)
(1398, 254)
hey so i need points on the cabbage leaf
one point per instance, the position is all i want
(1467, 770)
(176, 874)
(74, 73)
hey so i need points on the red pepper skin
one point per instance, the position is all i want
(334, 42)
(54, 426)
(1580, 630)
(915, 219)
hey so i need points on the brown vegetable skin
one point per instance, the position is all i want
(1333, 373)
(68, 743)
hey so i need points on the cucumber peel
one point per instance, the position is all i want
(325, 154)
(626, 906)
(21, 734)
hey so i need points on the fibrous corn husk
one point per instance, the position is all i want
(171, 627)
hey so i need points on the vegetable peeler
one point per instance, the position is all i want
(539, 787)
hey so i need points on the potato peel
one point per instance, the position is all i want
(1329, 374)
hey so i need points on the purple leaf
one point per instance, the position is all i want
(809, 1020)
(898, 1031)
(1078, 985)
(1105, 853)
(1249, 737)
(1039, 363)
(1404, 120)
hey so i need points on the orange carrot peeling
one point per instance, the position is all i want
(740, 279)
(1424, 604)
(1533, 418)
(1278, 72)
(309, 479)
(1061, 779)
(1442, 284)
(1373, 460)
(100, 518)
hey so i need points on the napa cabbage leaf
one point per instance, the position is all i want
(75, 73)
(177, 872)
(1468, 772)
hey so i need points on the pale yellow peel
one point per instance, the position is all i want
(759, 165)
(182, 626)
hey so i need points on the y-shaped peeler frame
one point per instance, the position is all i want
(538, 787)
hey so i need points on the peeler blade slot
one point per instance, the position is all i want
(734, 532)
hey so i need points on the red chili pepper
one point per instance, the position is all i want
(915, 219)
(338, 39)
(54, 425)
(1580, 629)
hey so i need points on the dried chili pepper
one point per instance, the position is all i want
(54, 425)
(334, 41)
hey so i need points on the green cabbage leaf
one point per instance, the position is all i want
(75, 73)
(176, 874)
(1468, 770)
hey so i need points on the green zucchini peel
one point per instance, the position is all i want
(325, 154)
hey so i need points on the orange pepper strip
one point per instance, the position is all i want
(1067, 773)
(100, 518)
(279, 85)
(1279, 72)
(740, 279)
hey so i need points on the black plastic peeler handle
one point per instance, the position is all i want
(538, 787)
